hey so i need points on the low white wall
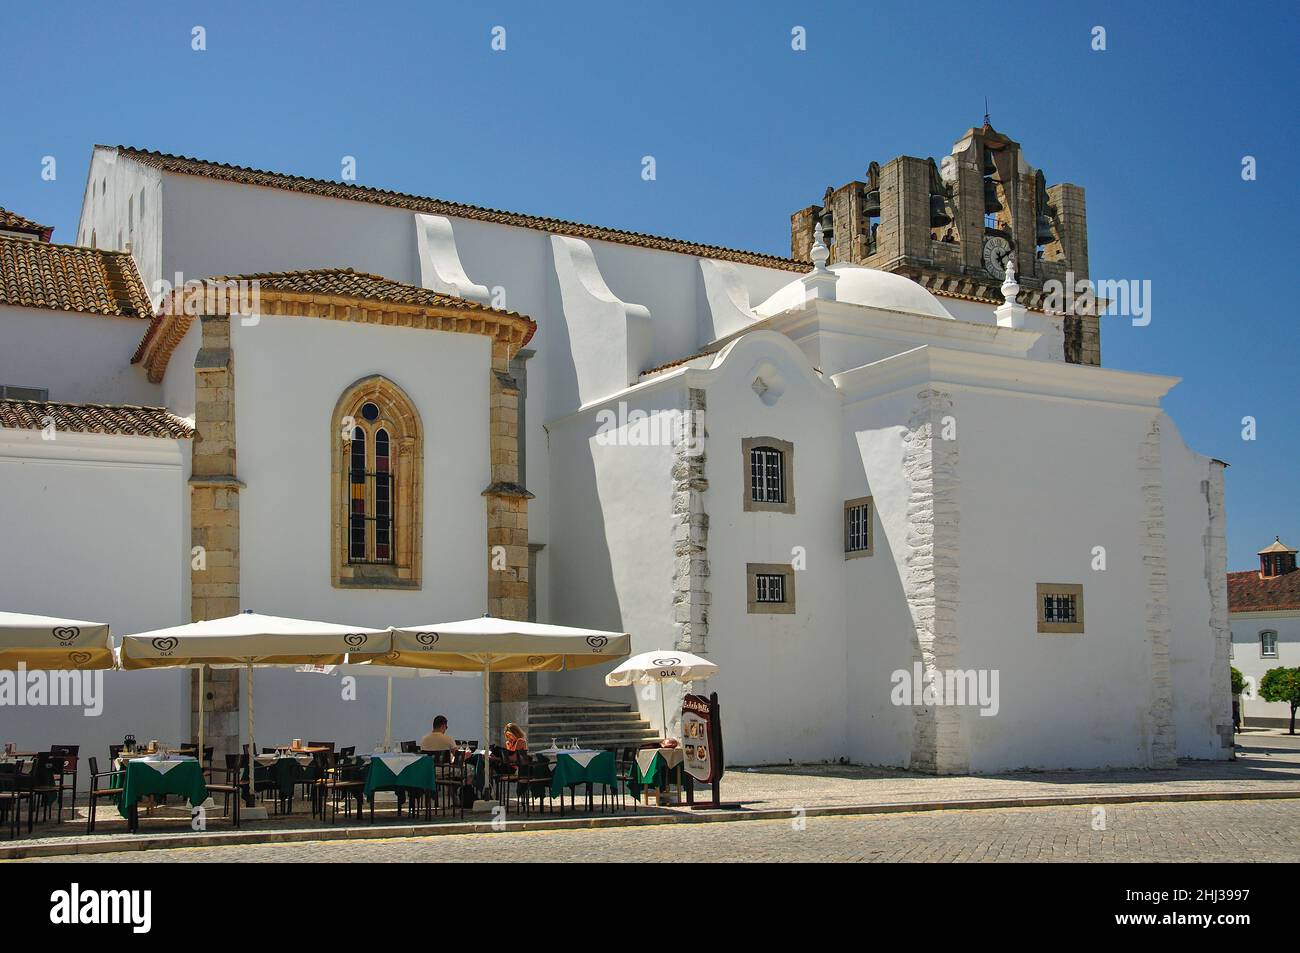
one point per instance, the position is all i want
(78, 358)
(93, 531)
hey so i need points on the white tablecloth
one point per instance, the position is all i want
(672, 757)
(581, 755)
(163, 766)
(396, 763)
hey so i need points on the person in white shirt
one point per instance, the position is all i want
(438, 739)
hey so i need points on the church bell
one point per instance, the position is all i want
(870, 203)
(991, 203)
(939, 216)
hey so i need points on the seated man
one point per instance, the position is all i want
(438, 739)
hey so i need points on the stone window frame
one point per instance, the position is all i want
(786, 449)
(1262, 653)
(753, 606)
(406, 434)
(1059, 588)
(870, 504)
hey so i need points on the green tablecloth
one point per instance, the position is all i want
(412, 773)
(568, 769)
(475, 762)
(285, 773)
(140, 779)
(651, 768)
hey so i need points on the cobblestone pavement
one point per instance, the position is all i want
(1265, 761)
(1192, 831)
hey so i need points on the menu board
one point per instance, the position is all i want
(702, 738)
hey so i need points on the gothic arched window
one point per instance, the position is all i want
(378, 466)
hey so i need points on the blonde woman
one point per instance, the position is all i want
(516, 743)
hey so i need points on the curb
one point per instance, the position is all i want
(19, 851)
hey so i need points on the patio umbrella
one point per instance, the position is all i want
(44, 642)
(491, 645)
(661, 666)
(250, 639)
(374, 670)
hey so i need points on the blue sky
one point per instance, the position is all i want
(744, 131)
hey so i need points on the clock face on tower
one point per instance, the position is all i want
(996, 251)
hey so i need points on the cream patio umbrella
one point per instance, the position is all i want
(659, 666)
(489, 645)
(250, 639)
(378, 670)
(44, 642)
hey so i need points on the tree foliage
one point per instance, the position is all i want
(1282, 685)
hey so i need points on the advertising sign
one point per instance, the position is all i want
(702, 738)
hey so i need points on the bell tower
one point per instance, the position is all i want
(952, 225)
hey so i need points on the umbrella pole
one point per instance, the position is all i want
(202, 698)
(388, 721)
(663, 711)
(487, 727)
(252, 746)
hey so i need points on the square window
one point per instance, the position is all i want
(1060, 608)
(770, 588)
(858, 532)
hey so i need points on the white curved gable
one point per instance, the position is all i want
(869, 287)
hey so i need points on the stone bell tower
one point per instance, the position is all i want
(952, 225)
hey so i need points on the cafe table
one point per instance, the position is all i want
(653, 767)
(579, 766)
(393, 771)
(141, 777)
(286, 771)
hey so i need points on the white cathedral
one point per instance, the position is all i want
(885, 461)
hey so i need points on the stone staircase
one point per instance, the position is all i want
(596, 724)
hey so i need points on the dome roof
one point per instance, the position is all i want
(869, 287)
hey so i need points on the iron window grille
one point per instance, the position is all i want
(769, 587)
(371, 494)
(1060, 607)
(857, 527)
(767, 475)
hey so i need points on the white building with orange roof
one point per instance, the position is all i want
(882, 484)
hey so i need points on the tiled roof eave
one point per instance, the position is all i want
(331, 293)
(71, 278)
(120, 420)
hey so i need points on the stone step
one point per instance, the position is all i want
(536, 737)
(580, 709)
(564, 701)
(611, 718)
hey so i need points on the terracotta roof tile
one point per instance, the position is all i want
(346, 283)
(13, 222)
(1248, 592)
(71, 278)
(679, 362)
(313, 286)
(184, 165)
(119, 419)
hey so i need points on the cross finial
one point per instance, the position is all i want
(986, 110)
